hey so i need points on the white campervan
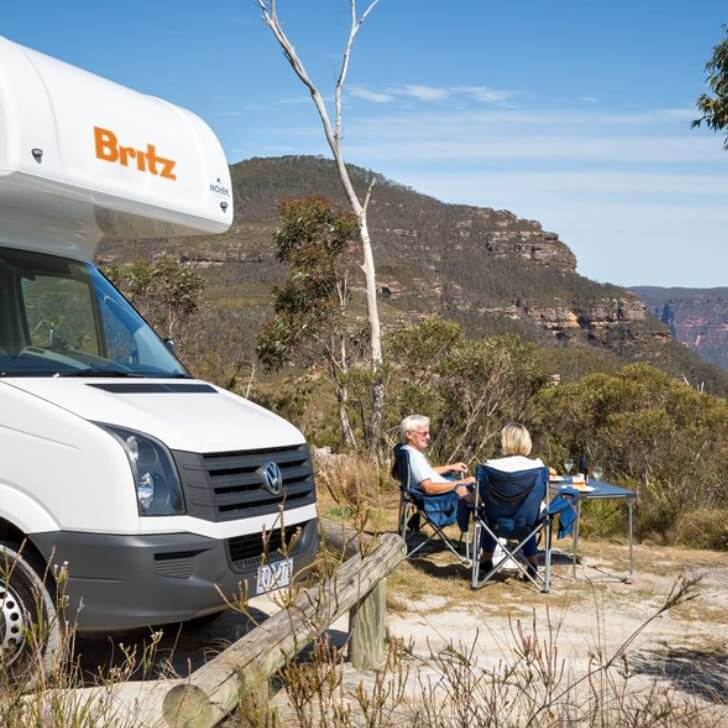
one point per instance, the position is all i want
(153, 487)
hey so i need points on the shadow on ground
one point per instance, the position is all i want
(699, 672)
(181, 649)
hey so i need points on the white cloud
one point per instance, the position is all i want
(360, 92)
(425, 146)
(423, 93)
(420, 92)
(484, 93)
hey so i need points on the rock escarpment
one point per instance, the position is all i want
(471, 263)
(697, 318)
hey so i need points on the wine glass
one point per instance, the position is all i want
(597, 472)
(568, 466)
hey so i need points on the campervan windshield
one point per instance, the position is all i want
(61, 317)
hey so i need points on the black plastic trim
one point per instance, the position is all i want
(226, 486)
(117, 583)
(153, 388)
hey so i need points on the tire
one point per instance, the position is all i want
(30, 631)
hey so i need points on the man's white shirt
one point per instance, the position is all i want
(420, 469)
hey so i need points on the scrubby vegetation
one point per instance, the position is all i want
(649, 431)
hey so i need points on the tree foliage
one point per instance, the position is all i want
(310, 307)
(311, 326)
(468, 387)
(165, 291)
(714, 108)
(650, 432)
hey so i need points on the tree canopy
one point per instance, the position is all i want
(714, 108)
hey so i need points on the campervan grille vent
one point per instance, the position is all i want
(229, 485)
(246, 551)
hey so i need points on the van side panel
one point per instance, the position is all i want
(22, 510)
(76, 470)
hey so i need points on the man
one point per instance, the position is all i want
(415, 436)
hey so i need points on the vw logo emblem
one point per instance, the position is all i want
(272, 477)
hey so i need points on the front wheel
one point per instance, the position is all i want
(30, 632)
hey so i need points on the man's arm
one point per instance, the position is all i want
(451, 468)
(430, 488)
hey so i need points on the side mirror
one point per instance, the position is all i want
(170, 344)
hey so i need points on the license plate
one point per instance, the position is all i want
(274, 576)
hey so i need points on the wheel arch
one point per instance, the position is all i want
(22, 542)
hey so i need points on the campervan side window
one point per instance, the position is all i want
(59, 314)
(61, 317)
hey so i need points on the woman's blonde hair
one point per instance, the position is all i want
(515, 440)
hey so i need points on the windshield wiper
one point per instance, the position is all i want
(98, 373)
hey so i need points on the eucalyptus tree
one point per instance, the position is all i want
(714, 108)
(333, 132)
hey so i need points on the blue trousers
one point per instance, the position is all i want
(486, 540)
(529, 548)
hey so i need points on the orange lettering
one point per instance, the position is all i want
(152, 158)
(106, 144)
(169, 165)
(109, 150)
(125, 153)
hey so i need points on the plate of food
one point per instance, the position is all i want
(568, 479)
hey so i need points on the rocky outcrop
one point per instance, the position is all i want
(697, 318)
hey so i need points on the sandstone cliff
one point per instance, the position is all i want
(696, 317)
(491, 270)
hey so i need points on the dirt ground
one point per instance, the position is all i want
(430, 606)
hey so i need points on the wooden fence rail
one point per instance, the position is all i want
(214, 690)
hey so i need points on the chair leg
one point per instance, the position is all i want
(475, 549)
(448, 544)
(400, 519)
(540, 582)
(547, 565)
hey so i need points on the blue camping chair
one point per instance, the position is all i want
(508, 506)
(418, 510)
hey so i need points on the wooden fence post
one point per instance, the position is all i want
(367, 649)
(213, 691)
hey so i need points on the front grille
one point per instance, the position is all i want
(246, 551)
(229, 485)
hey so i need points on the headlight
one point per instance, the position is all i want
(158, 489)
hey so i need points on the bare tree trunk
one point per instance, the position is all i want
(340, 384)
(342, 397)
(334, 138)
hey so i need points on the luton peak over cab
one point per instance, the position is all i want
(152, 489)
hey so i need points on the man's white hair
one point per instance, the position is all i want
(410, 422)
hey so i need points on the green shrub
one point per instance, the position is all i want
(603, 519)
(704, 528)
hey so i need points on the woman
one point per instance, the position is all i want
(516, 446)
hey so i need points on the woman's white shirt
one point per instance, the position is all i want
(514, 463)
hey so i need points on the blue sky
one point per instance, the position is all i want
(573, 113)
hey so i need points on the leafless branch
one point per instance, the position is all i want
(368, 197)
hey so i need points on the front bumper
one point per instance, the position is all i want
(118, 583)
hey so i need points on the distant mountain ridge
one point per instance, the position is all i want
(488, 269)
(697, 317)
